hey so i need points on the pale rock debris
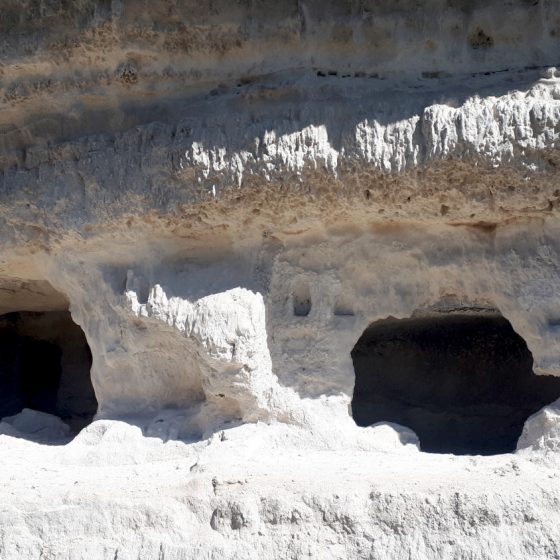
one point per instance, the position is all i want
(541, 432)
(35, 425)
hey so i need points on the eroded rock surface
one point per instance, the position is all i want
(223, 197)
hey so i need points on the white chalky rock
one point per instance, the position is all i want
(392, 437)
(224, 196)
(541, 431)
(231, 328)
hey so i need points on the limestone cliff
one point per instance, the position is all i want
(239, 203)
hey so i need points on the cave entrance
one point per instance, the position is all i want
(462, 380)
(45, 364)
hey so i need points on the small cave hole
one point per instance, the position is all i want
(462, 380)
(302, 299)
(45, 364)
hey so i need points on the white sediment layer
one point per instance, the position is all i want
(270, 490)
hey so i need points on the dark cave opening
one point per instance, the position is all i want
(463, 381)
(45, 364)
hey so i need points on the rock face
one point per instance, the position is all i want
(204, 206)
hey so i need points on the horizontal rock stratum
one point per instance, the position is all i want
(279, 279)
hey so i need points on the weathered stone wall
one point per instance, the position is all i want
(225, 195)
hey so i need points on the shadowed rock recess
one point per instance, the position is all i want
(462, 381)
(45, 365)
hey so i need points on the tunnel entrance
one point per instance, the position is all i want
(45, 364)
(463, 381)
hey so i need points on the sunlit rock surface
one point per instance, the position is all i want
(216, 200)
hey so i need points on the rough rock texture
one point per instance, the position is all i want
(225, 195)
